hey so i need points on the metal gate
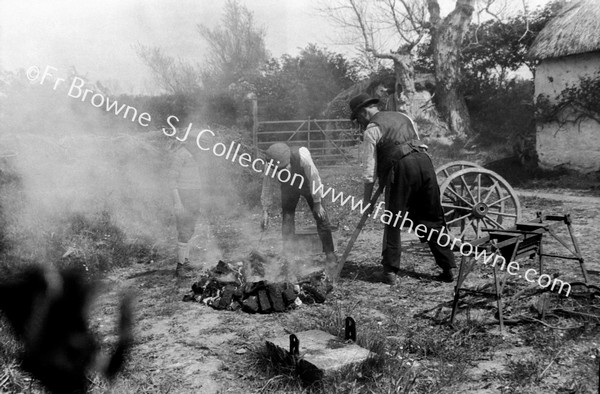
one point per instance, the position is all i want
(328, 140)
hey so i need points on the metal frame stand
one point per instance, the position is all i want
(524, 240)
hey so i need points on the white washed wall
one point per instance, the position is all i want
(576, 146)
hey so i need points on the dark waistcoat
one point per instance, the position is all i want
(398, 139)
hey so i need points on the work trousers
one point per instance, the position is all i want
(412, 187)
(290, 195)
(186, 222)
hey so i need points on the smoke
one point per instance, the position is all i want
(72, 159)
(77, 161)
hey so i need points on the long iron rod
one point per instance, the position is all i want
(357, 231)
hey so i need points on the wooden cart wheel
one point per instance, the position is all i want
(476, 198)
(444, 171)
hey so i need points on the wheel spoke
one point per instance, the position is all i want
(459, 218)
(459, 196)
(456, 207)
(478, 187)
(494, 186)
(468, 189)
(500, 200)
(451, 186)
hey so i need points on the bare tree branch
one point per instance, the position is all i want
(526, 16)
(173, 75)
(399, 29)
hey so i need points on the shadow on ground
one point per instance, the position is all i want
(373, 273)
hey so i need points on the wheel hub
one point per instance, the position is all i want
(480, 210)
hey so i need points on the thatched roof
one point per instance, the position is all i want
(575, 30)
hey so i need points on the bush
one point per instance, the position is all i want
(504, 114)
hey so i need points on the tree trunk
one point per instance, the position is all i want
(447, 36)
(405, 83)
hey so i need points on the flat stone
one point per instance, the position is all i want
(321, 353)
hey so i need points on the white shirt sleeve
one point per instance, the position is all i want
(311, 172)
(371, 136)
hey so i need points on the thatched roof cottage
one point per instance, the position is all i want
(568, 48)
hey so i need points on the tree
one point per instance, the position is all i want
(446, 41)
(301, 86)
(174, 76)
(321, 74)
(236, 49)
(405, 18)
(408, 25)
(495, 47)
(500, 107)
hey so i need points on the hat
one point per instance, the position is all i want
(359, 102)
(280, 153)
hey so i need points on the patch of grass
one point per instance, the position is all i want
(281, 373)
(90, 243)
(386, 371)
(380, 373)
(447, 353)
(428, 359)
(12, 379)
(586, 374)
(134, 381)
(541, 338)
(524, 371)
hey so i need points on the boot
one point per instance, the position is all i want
(389, 275)
(446, 276)
(184, 270)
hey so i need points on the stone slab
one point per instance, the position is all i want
(320, 353)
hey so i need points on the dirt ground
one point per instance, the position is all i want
(188, 347)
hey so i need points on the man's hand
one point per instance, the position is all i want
(318, 211)
(264, 224)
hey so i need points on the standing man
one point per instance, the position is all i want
(186, 185)
(296, 173)
(392, 153)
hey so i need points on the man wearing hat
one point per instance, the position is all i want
(393, 153)
(300, 179)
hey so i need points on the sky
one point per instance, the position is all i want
(98, 38)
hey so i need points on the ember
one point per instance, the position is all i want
(243, 285)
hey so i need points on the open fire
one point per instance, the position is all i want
(253, 286)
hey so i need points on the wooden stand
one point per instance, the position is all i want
(524, 240)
